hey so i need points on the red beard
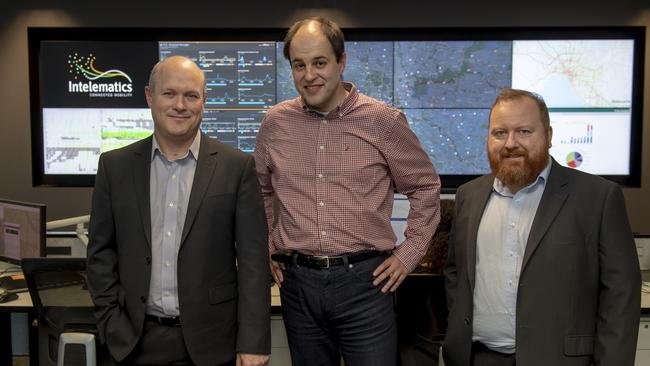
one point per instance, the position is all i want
(518, 173)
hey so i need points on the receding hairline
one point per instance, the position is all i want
(510, 95)
(324, 26)
(155, 71)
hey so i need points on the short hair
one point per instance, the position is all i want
(330, 29)
(509, 94)
(156, 69)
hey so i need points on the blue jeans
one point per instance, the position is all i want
(337, 311)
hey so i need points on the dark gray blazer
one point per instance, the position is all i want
(578, 301)
(223, 278)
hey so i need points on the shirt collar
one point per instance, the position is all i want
(342, 108)
(193, 151)
(501, 188)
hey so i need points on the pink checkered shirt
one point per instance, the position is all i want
(334, 178)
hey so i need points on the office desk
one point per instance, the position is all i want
(643, 343)
(275, 299)
(23, 304)
(645, 293)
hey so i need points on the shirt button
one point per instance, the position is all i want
(512, 224)
(323, 233)
(169, 233)
(324, 121)
(171, 204)
(321, 203)
(320, 176)
(173, 176)
(321, 147)
(167, 264)
(166, 293)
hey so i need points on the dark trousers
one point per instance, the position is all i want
(337, 311)
(483, 356)
(161, 345)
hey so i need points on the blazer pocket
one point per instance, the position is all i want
(220, 294)
(578, 345)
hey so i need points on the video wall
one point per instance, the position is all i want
(90, 94)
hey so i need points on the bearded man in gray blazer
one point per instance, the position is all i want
(178, 255)
(542, 266)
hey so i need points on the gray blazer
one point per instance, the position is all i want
(223, 279)
(578, 301)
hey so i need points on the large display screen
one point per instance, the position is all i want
(87, 91)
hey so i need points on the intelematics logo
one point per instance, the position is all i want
(86, 78)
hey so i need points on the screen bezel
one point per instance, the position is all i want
(449, 182)
(42, 228)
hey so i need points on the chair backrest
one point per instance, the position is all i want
(58, 289)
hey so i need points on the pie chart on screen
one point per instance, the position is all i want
(574, 159)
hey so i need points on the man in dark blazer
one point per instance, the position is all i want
(542, 266)
(178, 255)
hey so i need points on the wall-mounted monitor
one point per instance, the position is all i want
(22, 230)
(87, 90)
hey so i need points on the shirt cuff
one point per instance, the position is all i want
(409, 258)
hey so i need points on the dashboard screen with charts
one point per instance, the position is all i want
(88, 90)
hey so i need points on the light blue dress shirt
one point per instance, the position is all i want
(500, 246)
(170, 186)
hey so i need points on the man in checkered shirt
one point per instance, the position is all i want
(329, 161)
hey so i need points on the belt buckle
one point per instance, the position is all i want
(327, 259)
(171, 321)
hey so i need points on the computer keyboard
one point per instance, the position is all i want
(13, 283)
(58, 279)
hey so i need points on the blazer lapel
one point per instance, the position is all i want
(202, 178)
(555, 194)
(141, 173)
(481, 197)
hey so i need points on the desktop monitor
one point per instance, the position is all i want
(22, 230)
(642, 242)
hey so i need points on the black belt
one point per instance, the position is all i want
(168, 322)
(480, 347)
(324, 261)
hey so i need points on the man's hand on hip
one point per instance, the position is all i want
(393, 269)
(276, 272)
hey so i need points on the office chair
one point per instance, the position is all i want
(421, 319)
(65, 310)
(421, 300)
